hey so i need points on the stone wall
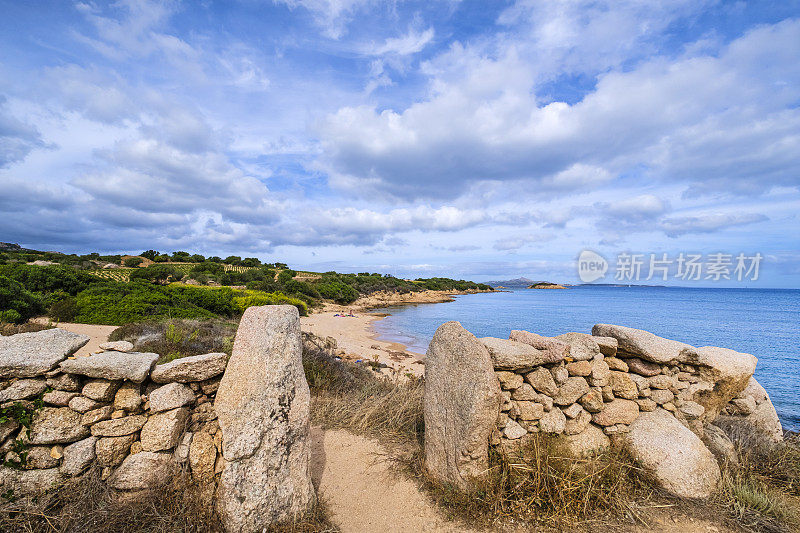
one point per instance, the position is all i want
(118, 410)
(658, 397)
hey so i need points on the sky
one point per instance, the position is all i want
(473, 139)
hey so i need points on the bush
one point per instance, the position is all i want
(64, 310)
(17, 304)
(339, 292)
(49, 279)
(172, 339)
(157, 274)
(133, 262)
(256, 298)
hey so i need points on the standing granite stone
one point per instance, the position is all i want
(677, 458)
(462, 401)
(263, 406)
(26, 355)
(133, 366)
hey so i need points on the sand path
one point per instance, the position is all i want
(363, 495)
(97, 334)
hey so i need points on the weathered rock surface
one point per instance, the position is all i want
(57, 425)
(82, 404)
(128, 397)
(542, 380)
(617, 412)
(24, 482)
(64, 382)
(101, 390)
(569, 393)
(729, 371)
(608, 345)
(512, 355)
(23, 389)
(170, 396)
(263, 406)
(117, 346)
(554, 349)
(58, 398)
(462, 399)
(588, 442)
(202, 456)
(760, 426)
(194, 368)
(720, 445)
(31, 354)
(645, 368)
(133, 366)
(582, 347)
(119, 426)
(162, 431)
(644, 344)
(111, 451)
(680, 462)
(143, 470)
(78, 456)
(553, 422)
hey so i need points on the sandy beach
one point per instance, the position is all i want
(356, 340)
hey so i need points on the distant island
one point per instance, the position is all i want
(545, 285)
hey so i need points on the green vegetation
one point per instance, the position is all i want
(86, 289)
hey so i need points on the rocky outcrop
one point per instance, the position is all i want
(263, 406)
(750, 418)
(28, 355)
(462, 400)
(675, 456)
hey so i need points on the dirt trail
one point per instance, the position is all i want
(353, 476)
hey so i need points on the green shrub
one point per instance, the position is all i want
(339, 292)
(16, 303)
(256, 298)
(133, 262)
(157, 274)
(48, 279)
(64, 310)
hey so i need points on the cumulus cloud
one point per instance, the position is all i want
(489, 124)
(17, 138)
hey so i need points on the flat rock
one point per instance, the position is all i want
(676, 457)
(170, 396)
(193, 368)
(263, 408)
(29, 482)
(143, 470)
(57, 425)
(645, 344)
(23, 389)
(555, 350)
(117, 346)
(618, 411)
(512, 355)
(119, 426)
(59, 398)
(642, 367)
(27, 355)
(462, 399)
(101, 390)
(133, 366)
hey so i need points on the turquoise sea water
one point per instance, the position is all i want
(763, 322)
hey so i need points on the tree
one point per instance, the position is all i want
(150, 254)
(233, 260)
(196, 258)
(181, 257)
(215, 259)
(160, 274)
(251, 262)
(17, 304)
(133, 262)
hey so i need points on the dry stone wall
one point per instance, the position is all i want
(658, 397)
(119, 410)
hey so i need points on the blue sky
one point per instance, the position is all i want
(473, 139)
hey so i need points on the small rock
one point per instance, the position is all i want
(162, 431)
(509, 380)
(661, 396)
(119, 427)
(608, 345)
(23, 389)
(542, 380)
(661, 382)
(553, 422)
(100, 389)
(111, 451)
(64, 382)
(622, 385)
(608, 394)
(524, 392)
(579, 368)
(560, 375)
(78, 456)
(592, 401)
(96, 415)
(646, 404)
(587, 443)
(128, 396)
(513, 430)
(578, 424)
(83, 404)
(190, 369)
(117, 346)
(583, 347)
(615, 363)
(573, 389)
(202, 457)
(59, 398)
(530, 410)
(618, 411)
(573, 410)
(645, 368)
(144, 470)
(692, 410)
(170, 396)
(57, 425)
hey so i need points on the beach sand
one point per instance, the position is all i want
(355, 339)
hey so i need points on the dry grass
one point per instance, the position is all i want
(173, 339)
(7, 329)
(541, 488)
(87, 505)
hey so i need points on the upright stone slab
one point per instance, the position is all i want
(462, 402)
(263, 406)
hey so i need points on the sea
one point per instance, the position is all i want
(763, 322)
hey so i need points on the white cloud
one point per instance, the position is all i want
(677, 226)
(411, 43)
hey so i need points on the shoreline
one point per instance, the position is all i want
(356, 338)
